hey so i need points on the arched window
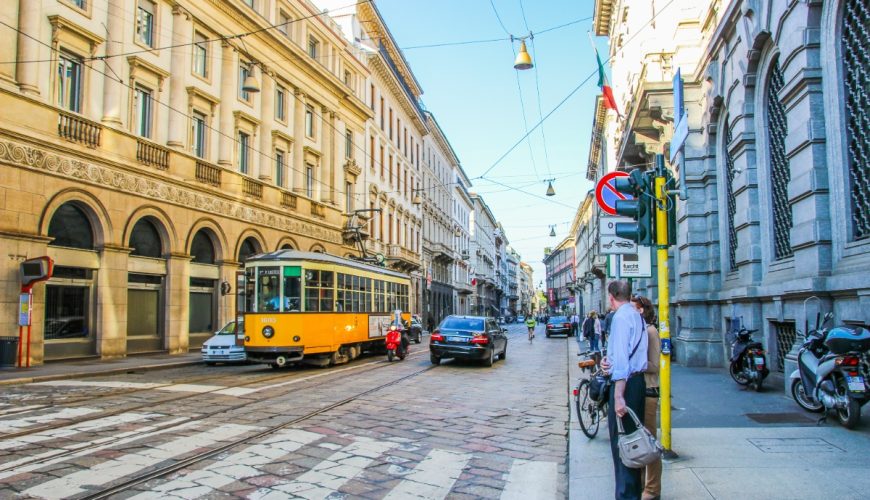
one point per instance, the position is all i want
(780, 175)
(286, 246)
(856, 60)
(145, 239)
(729, 197)
(70, 227)
(249, 247)
(202, 248)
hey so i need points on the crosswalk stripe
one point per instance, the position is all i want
(114, 469)
(237, 466)
(531, 480)
(433, 477)
(329, 475)
(72, 430)
(17, 424)
(96, 383)
(193, 388)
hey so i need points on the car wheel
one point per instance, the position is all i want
(435, 359)
(548, 334)
(503, 353)
(491, 359)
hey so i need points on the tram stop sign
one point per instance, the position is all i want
(606, 193)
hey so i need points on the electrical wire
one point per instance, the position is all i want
(570, 94)
(537, 87)
(498, 17)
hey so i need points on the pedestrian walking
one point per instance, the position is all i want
(592, 330)
(575, 325)
(605, 327)
(626, 362)
(652, 477)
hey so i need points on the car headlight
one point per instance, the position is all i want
(268, 332)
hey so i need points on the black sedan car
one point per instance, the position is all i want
(559, 324)
(416, 333)
(468, 337)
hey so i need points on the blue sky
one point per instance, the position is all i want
(472, 91)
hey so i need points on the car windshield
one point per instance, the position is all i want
(558, 319)
(229, 329)
(462, 324)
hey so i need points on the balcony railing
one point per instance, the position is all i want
(318, 209)
(152, 154)
(252, 188)
(208, 174)
(288, 200)
(78, 129)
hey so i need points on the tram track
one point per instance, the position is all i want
(25, 464)
(187, 462)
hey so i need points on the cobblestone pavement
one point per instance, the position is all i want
(368, 429)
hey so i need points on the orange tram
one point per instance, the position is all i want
(316, 308)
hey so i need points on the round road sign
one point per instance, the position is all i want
(606, 193)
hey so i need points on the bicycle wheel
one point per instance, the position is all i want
(587, 411)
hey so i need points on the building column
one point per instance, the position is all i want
(8, 39)
(328, 138)
(298, 140)
(228, 94)
(267, 114)
(112, 88)
(179, 65)
(112, 301)
(177, 310)
(26, 72)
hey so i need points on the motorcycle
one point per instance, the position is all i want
(748, 362)
(397, 342)
(830, 375)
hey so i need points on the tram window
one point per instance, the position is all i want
(268, 291)
(318, 290)
(292, 289)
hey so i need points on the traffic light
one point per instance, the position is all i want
(642, 208)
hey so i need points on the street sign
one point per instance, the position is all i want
(681, 124)
(631, 266)
(679, 105)
(606, 193)
(608, 242)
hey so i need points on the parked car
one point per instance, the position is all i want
(468, 337)
(222, 346)
(558, 324)
(521, 319)
(416, 330)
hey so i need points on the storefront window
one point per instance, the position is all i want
(201, 315)
(67, 312)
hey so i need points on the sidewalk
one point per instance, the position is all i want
(734, 443)
(58, 370)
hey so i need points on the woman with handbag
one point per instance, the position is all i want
(652, 479)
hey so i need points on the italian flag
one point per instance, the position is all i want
(607, 93)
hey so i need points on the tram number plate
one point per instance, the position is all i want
(856, 384)
(457, 339)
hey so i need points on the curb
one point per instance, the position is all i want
(88, 374)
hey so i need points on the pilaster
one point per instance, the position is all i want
(112, 301)
(177, 308)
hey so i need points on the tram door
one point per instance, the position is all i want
(244, 293)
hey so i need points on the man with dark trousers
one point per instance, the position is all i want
(626, 361)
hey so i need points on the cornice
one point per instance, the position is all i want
(380, 68)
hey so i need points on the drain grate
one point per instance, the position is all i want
(794, 445)
(780, 418)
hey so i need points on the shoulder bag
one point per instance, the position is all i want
(640, 448)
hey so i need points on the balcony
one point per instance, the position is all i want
(442, 252)
(463, 288)
(289, 200)
(152, 154)
(208, 174)
(402, 258)
(318, 209)
(75, 128)
(252, 188)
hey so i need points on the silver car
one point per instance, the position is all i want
(222, 347)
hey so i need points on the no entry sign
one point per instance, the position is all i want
(606, 193)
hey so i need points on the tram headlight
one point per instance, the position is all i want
(296, 338)
(268, 332)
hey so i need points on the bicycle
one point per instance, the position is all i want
(590, 412)
(531, 333)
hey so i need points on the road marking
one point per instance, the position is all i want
(18, 409)
(531, 480)
(32, 463)
(433, 477)
(331, 474)
(233, 468)
(72, 430)
(13, 425)
(95, 383)
(132, 463)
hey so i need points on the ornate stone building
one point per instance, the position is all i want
(775, 166)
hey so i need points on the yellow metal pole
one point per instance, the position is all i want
(664, 300)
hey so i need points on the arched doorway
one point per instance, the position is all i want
(69, 320)
(146, 298)
(203, 298)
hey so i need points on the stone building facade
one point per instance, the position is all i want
(775, 165)
(559, 262)
(484, 251)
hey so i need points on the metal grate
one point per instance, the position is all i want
(777, 128)
(786, 334)
(856, 60)
(732, 203)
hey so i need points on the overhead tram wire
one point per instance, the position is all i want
(571, 94)
(537, 89)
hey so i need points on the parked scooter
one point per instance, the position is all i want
(829, 375)
(748, 362)
(397, 340)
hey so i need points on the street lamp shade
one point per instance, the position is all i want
(524, 60)
(251, 84)
(417, 199)
(550, 190)
(552, 231)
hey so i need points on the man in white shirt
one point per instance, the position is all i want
(626, 361)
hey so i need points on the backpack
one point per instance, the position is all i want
(588, 328)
